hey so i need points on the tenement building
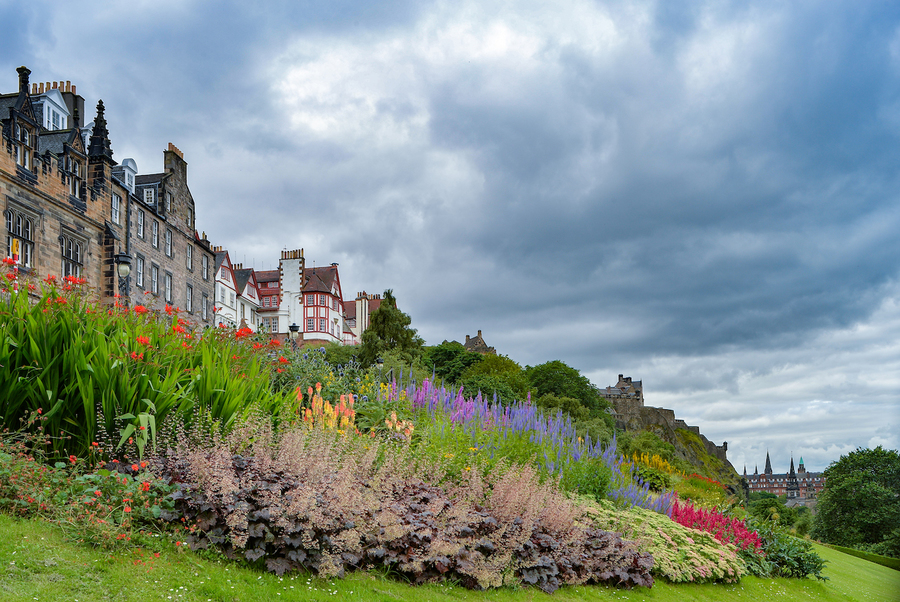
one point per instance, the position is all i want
(799, 486)
(71, 210)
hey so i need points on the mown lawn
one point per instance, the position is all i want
(36, 563)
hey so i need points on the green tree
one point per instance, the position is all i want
(860, 503)
(559, 379)
(389, 329)
(496, 373)
(449, 360)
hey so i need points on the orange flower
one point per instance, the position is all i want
(283, 360)
(145, 486)
(140, 309)
(169, 309)
(127, 508)
(143, 340)
(72, 459)
(134, 467)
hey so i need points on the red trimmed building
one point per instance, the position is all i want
(799, 486)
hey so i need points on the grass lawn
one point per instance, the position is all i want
(36, 563)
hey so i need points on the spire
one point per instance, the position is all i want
(756, 469)
(801, 467)
(768, 464)
(100, 146)
(792, 473)
(745, 470)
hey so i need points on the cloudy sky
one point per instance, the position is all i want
(701, 195)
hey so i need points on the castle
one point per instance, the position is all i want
(630, 413)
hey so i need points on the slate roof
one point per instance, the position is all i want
(267, 276)
(320, 280)
(242, 277)
(220, 258)
(54, 141)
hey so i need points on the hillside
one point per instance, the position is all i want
(36, 563)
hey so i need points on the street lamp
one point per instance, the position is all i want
(123, 269)
(294, 329)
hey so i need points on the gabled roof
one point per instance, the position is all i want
(220, 258)
(320, 280)
(242, 277)
(150, 178)
(55, 141)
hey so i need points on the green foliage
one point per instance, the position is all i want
(788, 556)
(589, 477)
(495, 374)
(774, 509)
(655, 479)
(98, 373)
(860, 503)
(449, 360)
(389, 329)
(340, 355)
(680, 554)
(557, 378)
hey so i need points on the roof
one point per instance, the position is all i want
(54, 141)
(7, 102)
(242, 277)
(268, 276)
(220, 258)
(150, 178)
(320, 280)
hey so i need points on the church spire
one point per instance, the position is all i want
(768, 464)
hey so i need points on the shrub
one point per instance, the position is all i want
(788, 556)
(308, 498)
(679, 554)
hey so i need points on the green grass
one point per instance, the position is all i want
(893, 563)
(36, 563)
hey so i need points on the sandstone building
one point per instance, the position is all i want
(71, 210)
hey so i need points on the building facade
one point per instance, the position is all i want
(799, 486)
(70, 210)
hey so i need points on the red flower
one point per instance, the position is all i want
(140, 309)
(50, 279)
(98, 493)
(283, 360)
(258, 345)
(61, 300)
(9, 261)
(145, 486)
(137, 356)
(73, 459)
(143, 340)
(179, 329)
(169, 309)
(185, 345)
(134, 467)
(243, 332)
(275, 343)
(127, 509)
(10, 276)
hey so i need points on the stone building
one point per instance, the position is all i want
(477, 345)
(71, 210)
(800, 486)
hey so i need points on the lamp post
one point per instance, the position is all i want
(380, 363)
(123, 270)
(294, 329)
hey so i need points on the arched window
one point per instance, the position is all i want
(20, 227)
(71, 256)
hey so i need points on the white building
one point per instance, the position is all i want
(226, 290)
(247, 297)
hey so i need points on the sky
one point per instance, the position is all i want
(704, 196)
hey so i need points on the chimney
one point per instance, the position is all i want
(175, 150)
(68, 86)
(467, 338)
(23, 72)
(479, 333)
(621, 377)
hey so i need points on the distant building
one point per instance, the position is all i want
(357, 315)
(799, 486)
(478, 345)
(247, 297)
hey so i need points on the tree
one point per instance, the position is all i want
(449, 360)
(557, 378)
(389, 330)
(860, 503)
(496, 373)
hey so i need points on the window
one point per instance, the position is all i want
(231, 298)
(310, 299)
(310, 324)
(267, 302)
(55, 120)
(225, 274)
(20, 233)
(71, 254)
(204, 266)
(75, 175)
(323, 300)
(204, 309)
(168, 282)
(274, 324)
(322, 326)
(154, 279)
(154, 237)
(139, 271)
(334, 304)
(168, 202)
(221, 294)
(189, 259)
(189, 299)
(243, 310)
(148, 196)
(140, 223)
(23, 147)
(168, 243)
(190, 218)
(116, 206)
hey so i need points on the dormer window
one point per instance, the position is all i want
(148, 196)
(23, 148)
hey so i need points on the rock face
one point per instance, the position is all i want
(627, 400)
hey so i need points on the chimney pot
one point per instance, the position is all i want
(68, 85)
(73, 89)
(479, 333)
